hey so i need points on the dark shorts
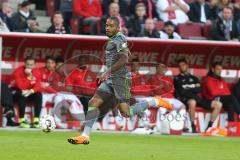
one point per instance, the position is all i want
(118, 86)
(201, 102)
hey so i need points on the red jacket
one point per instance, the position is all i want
(140, 85)
(83, 81)
(166, 89)
(139, 79)
(46, 76)
(213, 87)
(84, 9)
(58, 82)
(22, 82)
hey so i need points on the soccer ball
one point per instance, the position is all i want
(47, 123)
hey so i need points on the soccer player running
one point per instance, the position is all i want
(116, 80)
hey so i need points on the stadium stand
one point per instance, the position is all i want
(159, 25)
(44, 22)
(76, 23)
(50, 7)
(207, 31)
(190, 31)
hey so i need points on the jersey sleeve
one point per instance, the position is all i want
(121, 44)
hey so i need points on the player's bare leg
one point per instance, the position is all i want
(124, 109)
(191, 109)
(216, 106)
(128, 111)
(91, 117)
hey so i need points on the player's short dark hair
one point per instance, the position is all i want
(115, 19)
(169, 23)
(29, 58)
(59, 59)
(50, 58)
(182, 60)
(216, 64)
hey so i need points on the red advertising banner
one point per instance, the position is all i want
(16, 46)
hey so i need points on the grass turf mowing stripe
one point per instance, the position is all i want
(30, 145)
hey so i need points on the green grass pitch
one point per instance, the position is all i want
(36, 145)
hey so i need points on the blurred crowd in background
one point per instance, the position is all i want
(164, 19)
